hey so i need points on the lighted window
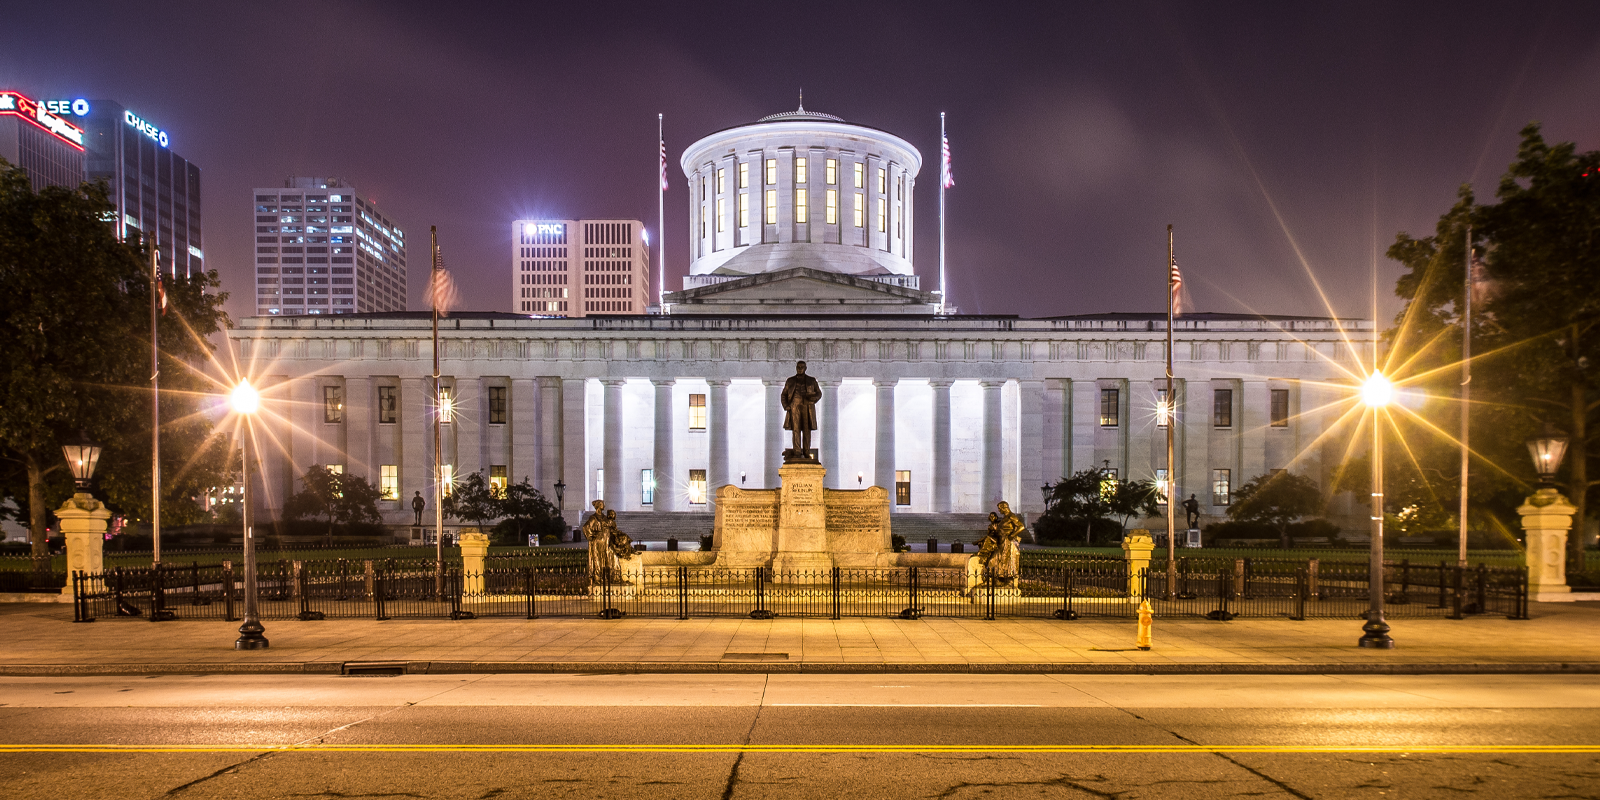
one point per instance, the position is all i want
(1222, 408)
(801, 210)
(722, 178)
(772, 172)
(389, 481)
(447, 404)
(497, 405)
(1110, 408)
(830, 171)
(388, 403)
(697, 412)
(447, 479)
(831, 211)
(1280, 408)
(744, 175)
(1161, 486)
(1163, 409)
(902, 487)
(772, 207)
(883, 181)
(883, 215)
(744, 209)
(333, 404)
(498, 479)
(861, 175)
(800, 170)
(697, 487)
(721, 205)
(1221, 487)
(647, 486)
(861, 210)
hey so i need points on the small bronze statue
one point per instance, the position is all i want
(607, 544)
(800, 396)
(1000, 551)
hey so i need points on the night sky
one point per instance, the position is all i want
(1283, 140)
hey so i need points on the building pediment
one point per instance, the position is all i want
(802, 290)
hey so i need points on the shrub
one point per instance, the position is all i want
(707, 542)
(1056, 530)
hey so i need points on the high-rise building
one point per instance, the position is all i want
(156, 191)
(321, 248)
(579, 267)
(41, 140)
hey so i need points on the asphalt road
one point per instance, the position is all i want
(799, 736)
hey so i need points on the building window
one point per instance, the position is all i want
(802, 212)
(1161, 486)
(861, 210)
(744, 175)
(498, 479)
(861, 176)
(1110, 408)
(883, 181)
(744, 209)
(883, 215)
(831, 171)
(388, 403)
(772, 207)
(1222, 408)
(902, 487)
(697, 487)
(721, 205)
(1280, 408)
(647, 486)
(447, 404)
(389, 481)
(722, 181)
(697, 412)
(831, 211)
(497, 405)
(800, 170)
(772, 172)
(333, 404)
(1221, 487)
(1163, 409)
(447, 479)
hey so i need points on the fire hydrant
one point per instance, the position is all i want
(1145, 615)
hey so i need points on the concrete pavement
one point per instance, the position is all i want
(42, 640)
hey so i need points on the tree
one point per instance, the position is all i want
(1276, 499)
(472, 500)
(526, 512)
(74, 331)
(334, 497)
(1092, 495)
(1129, 499)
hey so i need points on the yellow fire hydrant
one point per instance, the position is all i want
(1145, 615)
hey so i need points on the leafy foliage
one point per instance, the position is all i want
(524, 510)
(334, 497)
(1277, 499)
(1092, 502)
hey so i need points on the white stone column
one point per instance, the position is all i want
(829, 423)
(717, 474)
(1547, 518)
(1053, 427)
(552, 465)
(666, 492)
(305, 414)
(776, 442)
(1085, 422)
(883, 429)
(416, 446)
(524, 458)
(1255, 407)
(574, 448)
(993, 467)
(1031, 441)
(942, 490)
(611, 457)
(360, 418)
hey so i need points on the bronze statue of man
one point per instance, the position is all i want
(800, 396)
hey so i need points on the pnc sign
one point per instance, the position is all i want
(18, 105)
(156, 134)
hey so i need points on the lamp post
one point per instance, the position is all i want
(1548, 449)
(83, 520)
(561, 505)
(1376, 392)
(1048, 490)
(245, 401)
(1547, 521)
(82, 457)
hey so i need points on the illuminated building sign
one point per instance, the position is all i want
(17, 105)
(543, 227)
(156, 134)
(77, 108)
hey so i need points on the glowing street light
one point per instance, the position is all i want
(1376, 392)
(246, 401)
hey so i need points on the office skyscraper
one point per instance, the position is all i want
(41, 141)
(156, 191)
(578, 267)
(323, 249)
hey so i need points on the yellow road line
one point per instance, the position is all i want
(793, 748)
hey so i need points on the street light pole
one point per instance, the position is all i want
(1375, 633)
(252, 634)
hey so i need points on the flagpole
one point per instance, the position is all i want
(155, 410)
(438, 474)
(661, 216)
(1466, 395)
(1172, 423)
(942, 167)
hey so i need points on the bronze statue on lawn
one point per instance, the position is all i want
(800, 396)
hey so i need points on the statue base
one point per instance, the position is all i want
(793, 456)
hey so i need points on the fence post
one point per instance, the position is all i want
(457, 579)
(911, 611)
(835, 576)
(528, 588)
(1482, 590)
(1404, 597)
(1455, 600)
(80, 604)
(194, 585)
(227, 591)
(1301, 583)
(367, 578)
(1442, 584)
(1522, 593)
(989, 595)
(158, 597)
(1065, 612)
(1241, 567)
(683, 592)
(1313, 584)
(1226, 582)
(379, 590)
(344, 579)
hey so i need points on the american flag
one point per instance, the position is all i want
(1175, 285)
(664, 185)
(947, 178)
(441, 292)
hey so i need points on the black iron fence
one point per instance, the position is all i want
(393, 589)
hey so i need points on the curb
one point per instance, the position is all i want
(813, 668)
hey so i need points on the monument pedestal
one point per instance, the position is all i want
(802, 541)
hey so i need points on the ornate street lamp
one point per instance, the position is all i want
(82, 457)
(246, 401)
(1048, 490)
(1548, 449)
(561, 505)
(1376, 392)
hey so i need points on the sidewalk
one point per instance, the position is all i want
(41, 639)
